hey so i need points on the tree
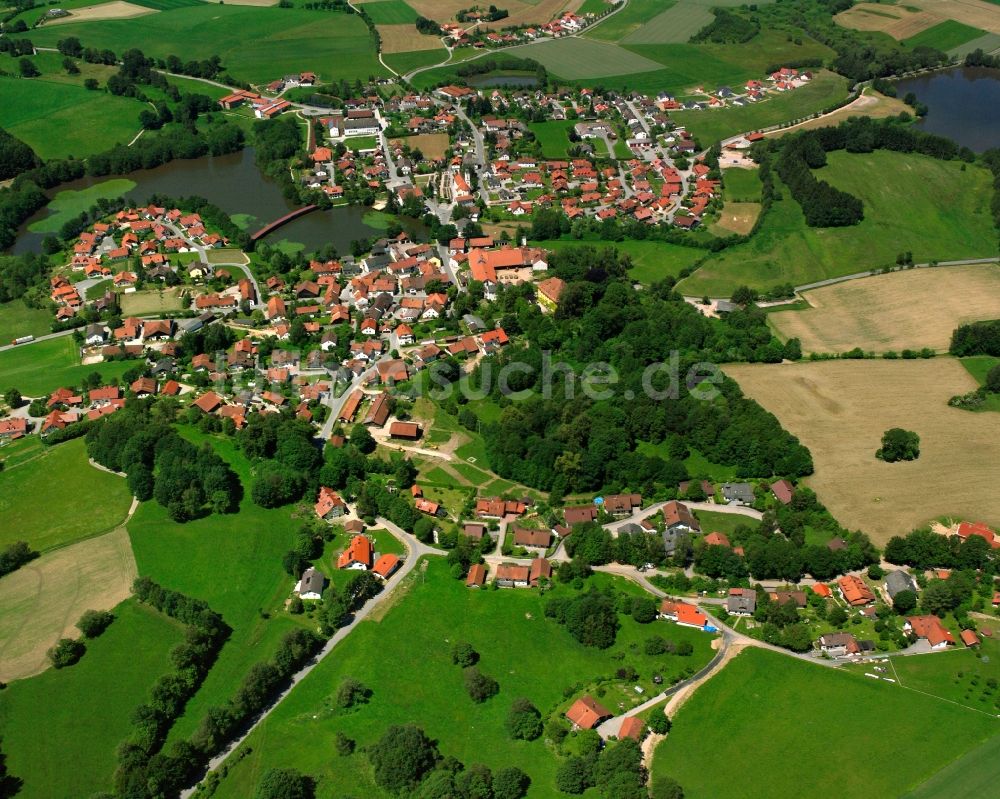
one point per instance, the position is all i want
(352, 693)
(13, 398)
(659, 723)
(401, 758)
(666, 788)
(899, 445)
(643, 610)
(91, 84)
(510, 783)
(362, 439)
(345, 746)
(67, 652)
(904, 602)
(837, 617)
(462, 654)
(28, 69)
(94, 622)
(575, 775)
(524, 721)
(479, 686)
(285, 783)
(938, 598)
(992, 383)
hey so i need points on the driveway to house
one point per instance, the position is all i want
(414, 552)
(712, 507)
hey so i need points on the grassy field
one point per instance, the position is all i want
(737, 218)
(912, 309)
(912, 203)
(869, 104)
(17, 319)
(945, 36)
(975, 13)
(725, 523)
(970, 775)
(824, 90)
(42, 601)
(797, 699)
(840, 409)
(631, 18)
(58, 119)
(553, 135)
(391, 12)
(37, 507)
(577, 58)
(652, 260)
(741, 185)
(285, 40)
(435, 612)
(85, 708)
(432, 145)
(233, 562)
(978, 366)
(154, 302)
(40, 368)
(407, 62)
(68, 204)
(407, 39)
(988, 43)
(675, 25)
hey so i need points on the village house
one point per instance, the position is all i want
(929, 628)
(477, 576)
(585, 713)
(512, 575)
(741, 601)
(329, 505)
(357, 555)
(854, 591)
(311, 584)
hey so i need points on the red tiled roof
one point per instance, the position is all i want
(586, 713)
(359, 551)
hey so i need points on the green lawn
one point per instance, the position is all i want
(231, 561)
(391, 12)
(553, 135)
(407, 62)
(59, 119)
(712, 125)
(61, 728)
(68, 204)
(528, 654)
(17, 319)
(945, 36)
(833, 732)
(38, 369)
(652, 260)
(973, 774)
(724, 523)
(741, 185)
(367, 143)
(256, 44)
(911, 202)
(58, 498)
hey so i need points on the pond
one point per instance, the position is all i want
(963, 104)
(237, 186)
(502, 80)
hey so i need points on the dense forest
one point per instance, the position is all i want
(561, 440)
(728, 27)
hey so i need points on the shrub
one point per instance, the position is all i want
(524, 721)
(462, 654)
(479, 686)
(94, 622)
(67, 652)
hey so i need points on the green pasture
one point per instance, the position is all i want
(40, 368)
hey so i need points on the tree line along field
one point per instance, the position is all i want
(652, 260)
(902, 310)
(774, 724)
(528, 654)
(913, 203)
(256, 44)
(840, 409)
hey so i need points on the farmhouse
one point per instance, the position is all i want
(930, 629)
(738, 493)
(13, 428)
(838, 645)
(854, 591)
(540, 569)
(358, 554)
(683, 614)
(496, 508)
(621, 504)
(784, 597)
(386, 566)
(782, 491)
(311, 585)
(579, 514)
(678, 517)
(741, 601)
(633, 727)
(406, 430)
(477, 576)
(898, 580)
(536, 539)
(512, 575)
(329, 505)
(585, 713)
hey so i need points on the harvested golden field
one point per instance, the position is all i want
(977, 13)
(118, 9)
(42, 601)
(738, 217)
(901, 310)
(840, 409)
(432, 145)
(900, 22)
(406, 39)
(869, 104)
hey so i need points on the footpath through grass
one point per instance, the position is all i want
(837, 733)
(61, 728)
(56, 498)
(405, 660)
(914, 203)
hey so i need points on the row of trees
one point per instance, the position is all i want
(822, 204)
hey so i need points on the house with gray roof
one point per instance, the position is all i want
(738, 493)
(898, 580)
(311, 585)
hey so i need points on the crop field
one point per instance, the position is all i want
(825, 90)
(405, 63)
(578, 58)
(117, 9)
(42, 601)
(435, 612)
(432, 145)
(898, 21)
(840, 409)
(17, 319)
(651, 261)
(391, 12)
(912, 309)
(912, 203)
(86, 708)
(152, 302)
(945, 36)
(68, 204)
(285, 40)
(37, 507)
(40, 368)
(58, 119)
(632, 17)
(975, 13)
(795, 700)
(970, 775)
(407, 39)
(674, 26)
(869, 104)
